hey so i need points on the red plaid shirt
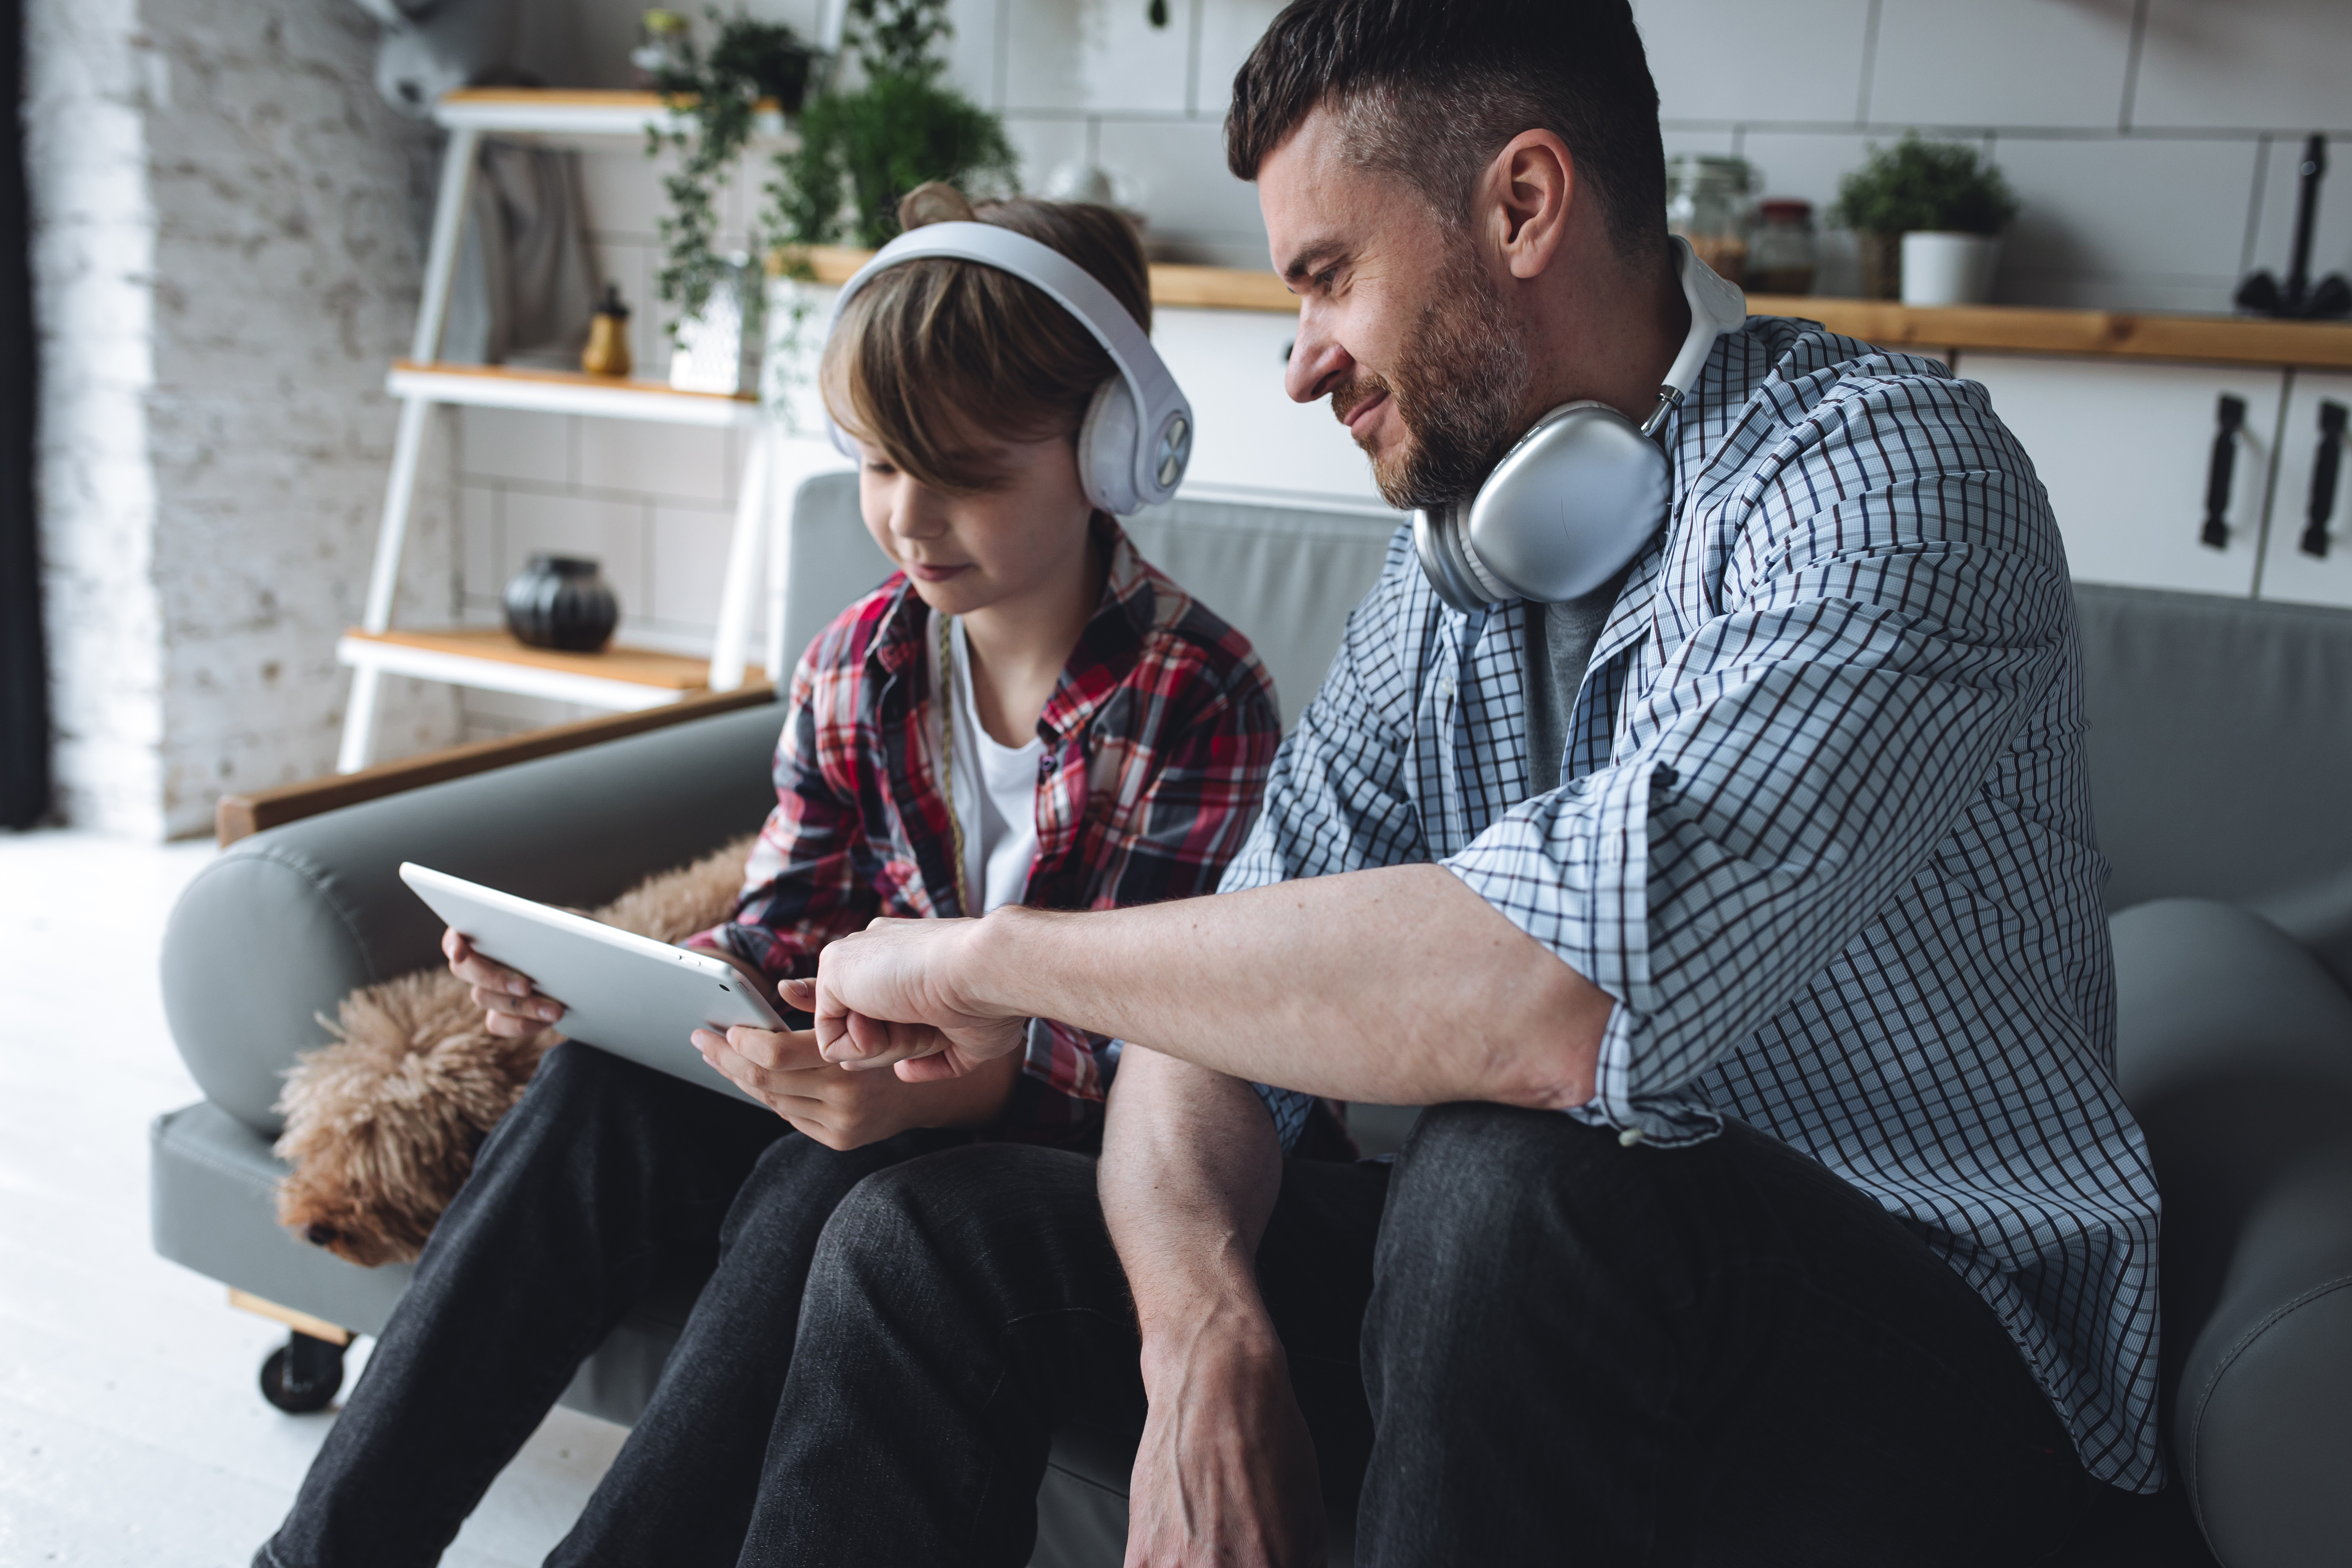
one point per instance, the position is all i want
(1157, 739)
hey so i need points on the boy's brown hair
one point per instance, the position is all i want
(936, 359)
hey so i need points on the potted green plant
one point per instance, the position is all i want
(1928, 216)
(864, 147)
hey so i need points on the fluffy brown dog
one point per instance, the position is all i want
(381, 1126)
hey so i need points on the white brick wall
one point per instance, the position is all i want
(225, 255)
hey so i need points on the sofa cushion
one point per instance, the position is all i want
(2234, 1050)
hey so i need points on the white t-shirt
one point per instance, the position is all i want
(995, 791)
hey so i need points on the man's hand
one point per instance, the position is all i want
(782, 1069)
(512, 1004)
(907, 992)
(1226, 1472)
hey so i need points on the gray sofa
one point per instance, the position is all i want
(2221, 747)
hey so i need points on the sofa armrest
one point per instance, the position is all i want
(2318, 916)
(242, 816)
(283, 924)
(2233, 1048)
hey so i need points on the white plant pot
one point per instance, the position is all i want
(1942, 268)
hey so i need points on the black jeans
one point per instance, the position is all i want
(605, 1180)
(1526, 1344)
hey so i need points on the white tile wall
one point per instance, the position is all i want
(2153, 142)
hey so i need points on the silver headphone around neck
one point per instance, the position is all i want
(1582, 492)
(1137, 435)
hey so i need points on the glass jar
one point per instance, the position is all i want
(1781, 254)
(661, 49)
(1706, 203)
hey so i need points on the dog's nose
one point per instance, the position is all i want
(320, 1234)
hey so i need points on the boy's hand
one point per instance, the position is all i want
(782, 1069)
(513, 1005)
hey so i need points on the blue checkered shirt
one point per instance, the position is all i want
(1824, 834)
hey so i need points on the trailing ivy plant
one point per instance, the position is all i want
(862, 148)
(716, 99)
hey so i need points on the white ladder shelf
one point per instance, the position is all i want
(617, 678)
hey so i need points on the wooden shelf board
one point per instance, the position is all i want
(1220, 289)
(637, 667)
(2016, 329)
(2121, 334)
(568, 391)
(557, 114)
(1203, 287)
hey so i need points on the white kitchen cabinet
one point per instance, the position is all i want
(2289, 571)
(2126, 451)
(1253, 441)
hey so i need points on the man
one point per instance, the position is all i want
(1741, 923)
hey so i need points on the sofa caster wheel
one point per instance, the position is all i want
(302, 1375)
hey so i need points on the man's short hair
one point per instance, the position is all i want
(1429, 90)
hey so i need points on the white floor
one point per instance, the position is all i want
(131, 1430)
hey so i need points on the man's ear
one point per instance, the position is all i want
(1528, 191)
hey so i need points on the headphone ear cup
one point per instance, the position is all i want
(1106, 439)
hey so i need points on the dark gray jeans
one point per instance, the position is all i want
(1526, 1344)
(607, 1181)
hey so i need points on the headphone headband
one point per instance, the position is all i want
(1163, 426)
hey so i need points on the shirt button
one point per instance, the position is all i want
(1630, 1136)
(1446, 687)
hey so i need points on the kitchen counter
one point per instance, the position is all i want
(2020, 329)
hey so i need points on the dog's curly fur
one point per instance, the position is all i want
(381, 1125)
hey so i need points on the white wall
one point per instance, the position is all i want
(224, 257)
(228, 258)
(2153, 143)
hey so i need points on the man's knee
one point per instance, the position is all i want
(1478, 1182)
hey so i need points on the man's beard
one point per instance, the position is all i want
(1458, 389)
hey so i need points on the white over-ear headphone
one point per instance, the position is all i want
(1582, 492)
(1137, 432)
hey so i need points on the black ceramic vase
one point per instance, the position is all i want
(560, 601)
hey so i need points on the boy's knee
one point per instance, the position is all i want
(952, 1215)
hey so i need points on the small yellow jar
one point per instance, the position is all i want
(607, 352)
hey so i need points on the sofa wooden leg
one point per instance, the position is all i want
(300, 1322)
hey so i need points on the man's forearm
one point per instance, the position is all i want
(1398, 986)
(1190, 1170)
(1225, 1468)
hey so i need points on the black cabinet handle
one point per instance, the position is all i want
(2231, 417)
(2324, 469)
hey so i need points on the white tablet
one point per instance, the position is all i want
(626, 993)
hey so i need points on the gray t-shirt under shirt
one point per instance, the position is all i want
(1560, 641)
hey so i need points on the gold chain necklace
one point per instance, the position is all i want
(946, 759)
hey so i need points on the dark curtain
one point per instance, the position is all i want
(24, 667)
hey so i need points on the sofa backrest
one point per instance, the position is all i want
(1286, 576)
(2220, 743)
